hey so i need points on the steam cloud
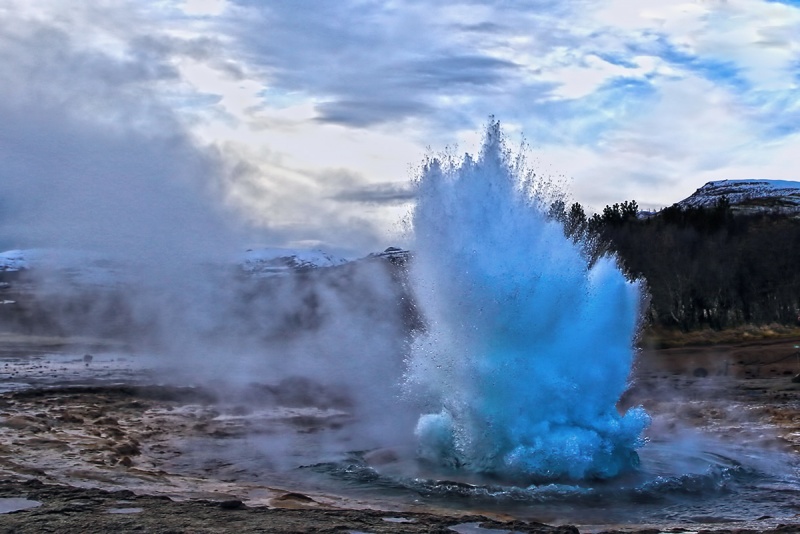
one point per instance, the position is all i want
(103, 176)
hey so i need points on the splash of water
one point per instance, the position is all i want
(528, 349)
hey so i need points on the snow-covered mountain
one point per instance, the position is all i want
(80, 267)
(272, 261)
(93, 269)
(748, 195)
(394, 255)
(13, 260)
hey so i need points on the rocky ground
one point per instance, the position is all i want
(761, 378)
(69, 509)
(83, 448)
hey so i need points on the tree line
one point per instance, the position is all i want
(704, 267)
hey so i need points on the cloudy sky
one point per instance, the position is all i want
(302, 122)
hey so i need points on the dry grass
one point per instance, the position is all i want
(666, 338)
(12, 340)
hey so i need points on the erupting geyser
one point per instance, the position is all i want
(528, 348)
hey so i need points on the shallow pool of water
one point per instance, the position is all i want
(14, 504)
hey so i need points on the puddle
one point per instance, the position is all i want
(13, 504)
(124, 510)
(399, 520)
(475, 528)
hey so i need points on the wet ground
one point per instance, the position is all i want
(66, 509)
(81, 422)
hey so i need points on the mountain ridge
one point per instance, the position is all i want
(747, 195)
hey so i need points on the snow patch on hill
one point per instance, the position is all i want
(272, 261)
(13, 260)
(393, 255)
(76, 266)
(758, 194)
(88, 268)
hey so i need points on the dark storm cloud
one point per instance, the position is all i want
(368, 63)
(407, 89)
(481, 27)
(43, 60)
(208, 50)
(456, 70)
(364, 112)
(391, 193)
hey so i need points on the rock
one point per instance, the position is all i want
(700, 372)
(233, 504)
(67, 417)
(293, 496)
(127, 449)
(22, 422)
(107, 421)
(60, 512)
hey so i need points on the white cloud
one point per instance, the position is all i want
(313, 105)
(695, 132)
(204, 7)
(578, 79)
(760, 38)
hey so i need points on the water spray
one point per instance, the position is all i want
(528, 348)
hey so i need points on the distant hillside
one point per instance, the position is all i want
(265, 293)
(272, 261)
(747, 195)
(727, 256)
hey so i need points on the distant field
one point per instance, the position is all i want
(664, 338)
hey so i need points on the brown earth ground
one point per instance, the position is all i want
(763, 375)
(96, 458)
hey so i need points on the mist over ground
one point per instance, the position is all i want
(136, 238)
(136, 227)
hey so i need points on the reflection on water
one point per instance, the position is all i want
(14, 504)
